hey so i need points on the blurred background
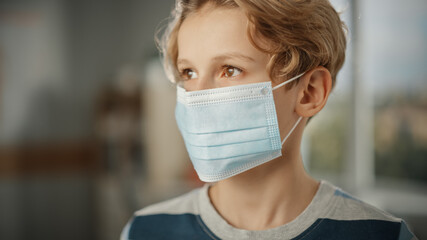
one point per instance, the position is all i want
(87, 129)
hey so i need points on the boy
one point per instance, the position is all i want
(243, 127)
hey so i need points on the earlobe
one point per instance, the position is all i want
(313, 92)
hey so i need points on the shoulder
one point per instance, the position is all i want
(347, 207)
(346, 212)
(177, 217)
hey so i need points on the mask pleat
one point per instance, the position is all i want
(217, 118)
(229, 150)
(227, 137)
(235, 165)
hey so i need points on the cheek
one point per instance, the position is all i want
(285, 106)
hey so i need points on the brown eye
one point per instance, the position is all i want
(230, 71)
(188, 74)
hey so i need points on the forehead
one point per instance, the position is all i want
(214, 30)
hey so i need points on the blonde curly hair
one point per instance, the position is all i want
(301, 34)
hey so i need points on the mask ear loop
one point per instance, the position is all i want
(300, 118)
(288, 81)
(293, 128)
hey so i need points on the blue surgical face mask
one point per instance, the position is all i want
(230, 130)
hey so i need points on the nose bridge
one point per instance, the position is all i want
(205, 81)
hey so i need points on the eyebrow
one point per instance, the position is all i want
(231, 55)
(222, 57)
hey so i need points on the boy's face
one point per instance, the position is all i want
(214, 51)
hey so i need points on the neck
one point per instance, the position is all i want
(267, 196)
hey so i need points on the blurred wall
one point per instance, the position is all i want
(58, 54)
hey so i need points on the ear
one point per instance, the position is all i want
(313, 92)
